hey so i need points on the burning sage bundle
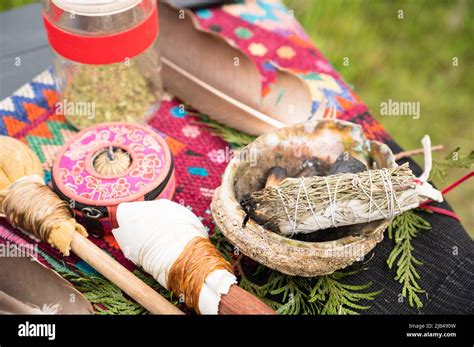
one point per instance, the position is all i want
(306, 204)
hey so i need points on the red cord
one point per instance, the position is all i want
(458, 182)
(441, 211)
(444, 191)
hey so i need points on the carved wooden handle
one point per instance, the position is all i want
(239, 301)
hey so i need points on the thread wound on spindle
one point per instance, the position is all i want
(32, 206)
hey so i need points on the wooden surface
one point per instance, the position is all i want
(239, 301)
(121, 277)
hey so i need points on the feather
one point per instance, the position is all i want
(29, 287)
(241, 107)
(208, 73)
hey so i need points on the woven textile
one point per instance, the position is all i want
(263, 31)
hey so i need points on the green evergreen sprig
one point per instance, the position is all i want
(452, 160)
(107, 298)
(403, 229)
(340, 297)
(294, 295)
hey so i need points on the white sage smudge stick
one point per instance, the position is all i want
(303, 205)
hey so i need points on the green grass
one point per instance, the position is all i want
(8, 4)
(407, 59)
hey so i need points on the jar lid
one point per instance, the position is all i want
(99, 48)
(78, 177)
(95, 7)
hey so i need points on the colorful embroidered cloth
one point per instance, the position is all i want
(263, 30)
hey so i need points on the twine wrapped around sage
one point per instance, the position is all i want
(303, 205)
(27, 203)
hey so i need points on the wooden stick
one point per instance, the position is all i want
(239, 301)
(409, 153)
(120, 276)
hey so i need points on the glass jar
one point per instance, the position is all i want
(107, 63)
